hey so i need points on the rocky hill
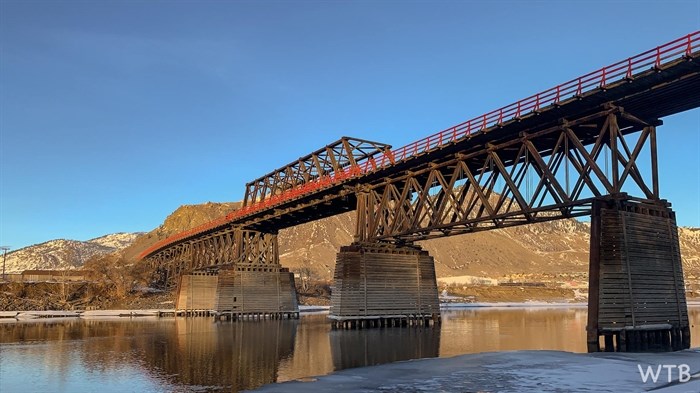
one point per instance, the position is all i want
(117, 241)
(689, 239)
(65, 254)
(183, 218)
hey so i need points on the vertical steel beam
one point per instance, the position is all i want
(654, 162)
(363, 210)
(614, 153)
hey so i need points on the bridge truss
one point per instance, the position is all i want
(335, 158)
(541, 175)
(233, 248)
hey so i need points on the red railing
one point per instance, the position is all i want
(623, 70)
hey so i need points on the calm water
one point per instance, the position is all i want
(157, 355)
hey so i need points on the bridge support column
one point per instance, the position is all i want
(267, 290)
(196, 292)
(636, 288)
(378, 285)
(238, 292)
(253, 284)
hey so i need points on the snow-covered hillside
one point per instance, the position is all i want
(116, 240)
(64, 254)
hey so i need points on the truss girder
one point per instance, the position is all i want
(235, 247)
(540, 176)
(337, 156)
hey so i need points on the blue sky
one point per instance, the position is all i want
(113, 114)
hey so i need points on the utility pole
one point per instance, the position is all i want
(4, 257)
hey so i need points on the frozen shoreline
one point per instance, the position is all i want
(21, 316)
(529, 304)
(515, 371)
(12, 316)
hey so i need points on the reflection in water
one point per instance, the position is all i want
(507, 329)
(239, 355)
(181, 352)
(358, 348)
(199, 354)
(312, 350)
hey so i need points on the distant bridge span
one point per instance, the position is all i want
(569, 151)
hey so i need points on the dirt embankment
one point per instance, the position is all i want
(84, 296)
(316, 293)
(75, 296)
(496, 294)
(87, 296)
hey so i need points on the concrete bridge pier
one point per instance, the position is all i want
(240, 291)
(252, 286)
(384, 285)
(636, 290)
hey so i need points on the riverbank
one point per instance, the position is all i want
(76, 296)
(28, 315)
(516, 371)
(9, 316)
(41, 296)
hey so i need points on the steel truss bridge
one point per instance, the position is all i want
(546, 157)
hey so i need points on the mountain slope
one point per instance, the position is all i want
(117, 241)
(65, 254)
(183, 218)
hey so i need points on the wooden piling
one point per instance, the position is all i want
(384, 281)
(635, 278)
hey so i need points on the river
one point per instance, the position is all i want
(199, 354)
